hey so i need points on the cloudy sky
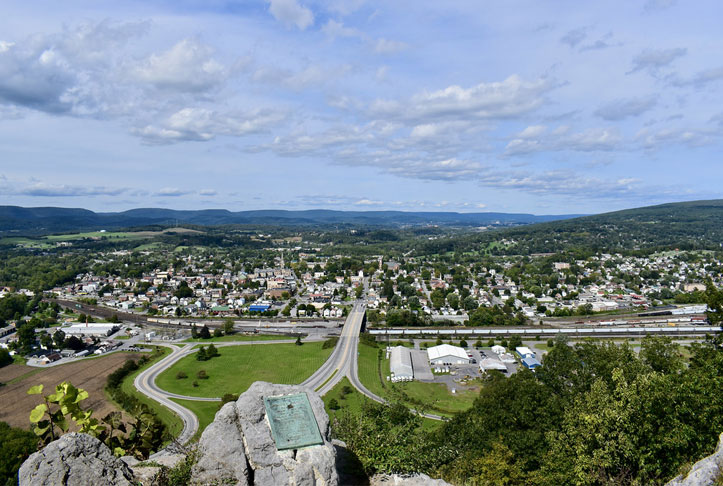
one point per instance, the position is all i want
(533, 106)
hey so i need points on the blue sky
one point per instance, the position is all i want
(519, 106)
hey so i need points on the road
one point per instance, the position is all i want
(343, 361)
(145, 383)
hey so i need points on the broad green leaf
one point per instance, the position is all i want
(82, 395)
(35, 390)
(36, 414)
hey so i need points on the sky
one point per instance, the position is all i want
(544, 107)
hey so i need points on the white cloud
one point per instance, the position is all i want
(187, 66)
(626, 108)
(336, 29)
(42, 189)
(535, 139)
(201, 125)
(208, 192)
(290, 13)
(171, 192)
(653, 59)
(504, 99)
(574, 37)
(387, 46)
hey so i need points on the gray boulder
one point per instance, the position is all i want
(237, 448)
(75, 460)
(705, 472)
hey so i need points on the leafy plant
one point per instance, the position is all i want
(58, 407)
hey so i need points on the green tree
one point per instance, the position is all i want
(204, 333)
(5, 358)
(15, 446)
(228, 327)
(201, 354)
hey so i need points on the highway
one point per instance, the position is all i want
(343, 361)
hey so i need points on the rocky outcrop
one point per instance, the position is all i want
(75, 460)
(237, 447)
(705, 472)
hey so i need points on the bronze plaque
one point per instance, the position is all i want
(293, 424)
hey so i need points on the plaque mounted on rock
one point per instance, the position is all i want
(292, 420)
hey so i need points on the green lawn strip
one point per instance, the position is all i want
(350, 403)
(437, 396)
(204, 411)
(240, 338)
(327, 380)
(238, 367)
(20, 378)
(173, 423)
(368, 371)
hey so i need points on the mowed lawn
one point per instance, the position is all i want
(239, 366)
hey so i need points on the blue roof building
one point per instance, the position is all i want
(530, 362)
(259, 307)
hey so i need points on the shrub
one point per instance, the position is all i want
(181, 375)
(202, 375)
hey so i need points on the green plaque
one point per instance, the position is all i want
(293, 424)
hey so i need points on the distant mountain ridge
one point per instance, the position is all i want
(16, 218)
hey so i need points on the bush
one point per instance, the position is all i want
(330, 343)
(202, 375)
(195, 384)
(15, 446)
(181, 375)
(333, 404)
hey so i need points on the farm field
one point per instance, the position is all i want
(91, 375)
(239, 366)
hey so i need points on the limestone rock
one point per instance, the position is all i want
(237, 448)
(704, 472)
(75, 460)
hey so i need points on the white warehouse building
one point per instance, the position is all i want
(447, 354)
(90, 329)
(400, 364)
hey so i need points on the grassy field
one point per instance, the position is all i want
(204, 411)
(239, 366)
(239, 338)
(172, 421)
(350, 403)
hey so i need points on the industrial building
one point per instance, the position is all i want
(400, 364)
(259, 307)
(490, 364)
(446, 354)
(90, 329)
(524, 352)
(531, 363)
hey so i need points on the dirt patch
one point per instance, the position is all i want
(10, 372)
(91, 375)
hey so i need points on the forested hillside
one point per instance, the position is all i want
(687, 226)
